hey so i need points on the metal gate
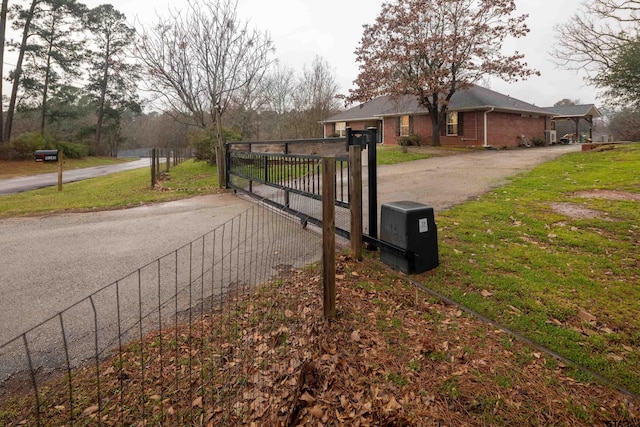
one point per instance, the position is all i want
(281, 175)
(287, 175)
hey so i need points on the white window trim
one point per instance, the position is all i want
(451, 123)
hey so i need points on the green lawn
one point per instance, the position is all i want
(390, 155)
(121, 190)
(11, 169)
(522, 256)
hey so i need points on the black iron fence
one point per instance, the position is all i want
(289, 175)
(133, 353)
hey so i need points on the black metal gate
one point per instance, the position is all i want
(281, 174)
(287, 175)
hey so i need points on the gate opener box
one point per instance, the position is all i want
(410, 226)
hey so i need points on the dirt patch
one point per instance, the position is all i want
(609, 195)
(577, 212)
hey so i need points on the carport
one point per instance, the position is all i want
(576, 113)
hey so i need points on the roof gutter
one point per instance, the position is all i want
(485, 125)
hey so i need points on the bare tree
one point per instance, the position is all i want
(564, 102)
(433, 48)
(603, 39)
(197, 60)
(591, 37)
(280, 85)
(315, 98)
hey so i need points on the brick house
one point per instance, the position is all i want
(477, 117)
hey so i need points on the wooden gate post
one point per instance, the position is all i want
(355, 200)
(153, 167)
(60, 154)
(329, 236)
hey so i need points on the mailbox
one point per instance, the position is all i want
(46, 156)
(410, 226)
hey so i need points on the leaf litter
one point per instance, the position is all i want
(394, 356)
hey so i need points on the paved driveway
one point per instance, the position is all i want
(33, 182)
(48, 263)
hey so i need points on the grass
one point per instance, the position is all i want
(391, 155)
(12, 169)
(567, 283)
(121, 190)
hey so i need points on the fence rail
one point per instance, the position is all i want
(168, 158)
(290, 179)
(137, 335)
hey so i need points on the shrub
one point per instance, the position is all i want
(72, 150)
(411, 140)
(203, 142)
(539, 142)
(24, 146)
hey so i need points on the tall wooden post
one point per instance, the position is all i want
(329, 236)
(355, 202)
(60, 154)
(153, 167)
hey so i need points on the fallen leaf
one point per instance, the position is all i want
(615, 357)
(355, 335)
(486, 293)
(586, 316)
(306, 397)
(393, 405)
(317, 411)
(90, 410)
(197, 403)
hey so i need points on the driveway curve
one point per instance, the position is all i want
(48, 263)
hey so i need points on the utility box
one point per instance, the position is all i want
(410, 227)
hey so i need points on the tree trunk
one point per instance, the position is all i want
(45, 91)
(3, 30)
(103, 95)
(220, 160)
(18, 71)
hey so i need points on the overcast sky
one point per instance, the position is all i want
(302, 29)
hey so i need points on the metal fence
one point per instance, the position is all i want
(132, 353)
(290, 177)
(162, 160)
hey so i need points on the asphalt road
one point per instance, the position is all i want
(33, 182)
(49, 263)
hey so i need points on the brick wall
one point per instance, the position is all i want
(504, 129)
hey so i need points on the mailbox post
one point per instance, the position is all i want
(51, 156)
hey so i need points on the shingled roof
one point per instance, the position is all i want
(574, 111)
(469, 99)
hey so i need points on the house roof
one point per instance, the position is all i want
(575, 111)
(469, 99)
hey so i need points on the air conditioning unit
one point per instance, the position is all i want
(551, 136)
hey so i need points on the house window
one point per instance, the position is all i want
(405, 127)
(340, 129)
(452, 123)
